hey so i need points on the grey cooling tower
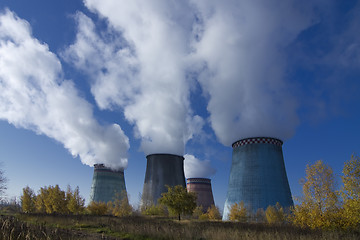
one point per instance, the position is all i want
(161, 170)
(202, 188)
(106, 183)
(257, 176)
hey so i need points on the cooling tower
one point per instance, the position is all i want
(161, 170)
(106, 183)
(257, 176)
(202, 188)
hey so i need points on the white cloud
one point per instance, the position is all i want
(195, 168)
(35, 96)
(149, 58)
(242, 47)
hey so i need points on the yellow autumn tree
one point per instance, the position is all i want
(40, 200)
(28, 200)
(238, 212)
(75, 203)
(350, 193)
(120, 207)
(318, 206)
(97, 208)
(275, 214)
(213, 213)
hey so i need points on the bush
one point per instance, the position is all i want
(275, 215)
(120, 207)
(155, 210)
(238, 212)
(97, 208)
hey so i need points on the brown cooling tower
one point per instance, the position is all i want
(202, 188)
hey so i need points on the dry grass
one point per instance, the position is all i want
(38, 226)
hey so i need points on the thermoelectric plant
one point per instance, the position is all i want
(106, 184)
(161, 170)
(202, 188)
(257, 175)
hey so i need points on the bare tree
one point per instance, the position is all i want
(3, 181)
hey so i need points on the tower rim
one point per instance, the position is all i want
(165, 154)
(255, 140)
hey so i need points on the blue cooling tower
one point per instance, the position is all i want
(106, 184)
(161, 170)
(257, 176)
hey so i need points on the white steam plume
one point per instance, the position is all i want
(144, 66)
(242, 48)
(35, 96)
(195, 168)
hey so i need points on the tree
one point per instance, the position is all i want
(3, 182)
(155, 210)
(75, 203)
(350, 193)
(238, 212)
(275, 214)
(40, 200)
(319, 205)
(97, 208)
(178, 200)
(260, 216)
(198, 213)
(120, 207)
(213, 213)
(56, 201)
(51, 200)
(28, 200)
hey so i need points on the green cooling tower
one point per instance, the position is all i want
(258, 176)
(106, 184)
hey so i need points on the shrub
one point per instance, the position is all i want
(238, 212)
(97, 208)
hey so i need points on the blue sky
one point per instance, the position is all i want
(85, 81)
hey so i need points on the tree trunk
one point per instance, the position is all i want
(179, 217)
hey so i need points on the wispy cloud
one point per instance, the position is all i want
(35, 95)
(144, 67)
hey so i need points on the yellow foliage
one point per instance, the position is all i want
(275, 215)
(28, 200)
(319, 205)
(120, 207)
(213, 213)
(155, 210)
(350, 193)
(97, 208)
(75, 203)
(238, 212)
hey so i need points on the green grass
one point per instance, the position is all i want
(41, 226)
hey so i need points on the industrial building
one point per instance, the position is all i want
(203, 190)
(257, 176)
(106, 184)
(161, 170)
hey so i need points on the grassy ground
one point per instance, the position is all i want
(39, 226)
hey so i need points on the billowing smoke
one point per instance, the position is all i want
(242, 46)
(35, 95)
(237, 50)
(195, 168)
(142, 68)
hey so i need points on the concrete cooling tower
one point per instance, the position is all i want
(202, 188)
(106, 183)
(161, 170)
(257, 176)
